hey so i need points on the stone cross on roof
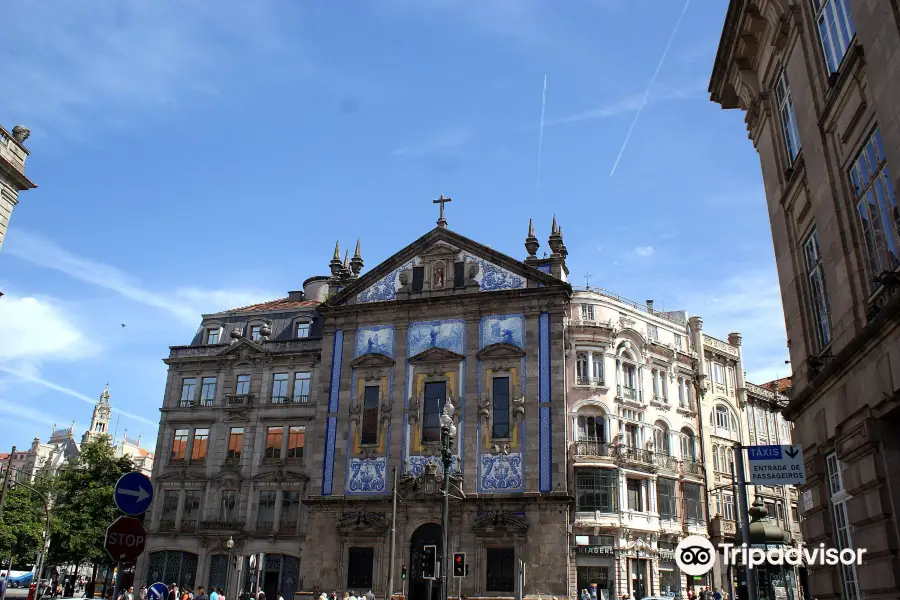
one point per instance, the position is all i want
(442, 222)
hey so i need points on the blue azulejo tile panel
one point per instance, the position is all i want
(544, 268)
(502, 473)
(367, 476)
(328, 463)
(385, 288)
(449, 335)
(491, 278)
(502, 329)
(337, 355)
(415, 465)
(544, 357)
(546, 475)
(378, 339)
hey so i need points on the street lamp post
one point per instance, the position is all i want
(448, 433)
(230, 545)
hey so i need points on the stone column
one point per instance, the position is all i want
(180, 510)
(590, 365)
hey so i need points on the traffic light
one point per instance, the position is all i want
(403, 572)
(459, 564)
(429, 558)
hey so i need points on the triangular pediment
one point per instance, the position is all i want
(493, 270)
(182, 474)
(436, 355)
(372, 360)
(243, 348)
(500, 351)
(280, 473)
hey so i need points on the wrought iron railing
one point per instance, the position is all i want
(221, 525)
(583, 380)
(166, 525)
(264, 526)
(627, 392)
(188, 526)
(691, 467)
(594, 448)
(236, 400)
(641, 306)
(636, 455)
(664, 461)
(287, 528)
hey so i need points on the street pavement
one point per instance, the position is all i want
(23, 593)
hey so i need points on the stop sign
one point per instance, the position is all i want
(125, 539)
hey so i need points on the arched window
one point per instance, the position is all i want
(598, 366)
(688, 451)
(715, 457)
(592, 428)
(627, 375)
(721, 417)
(581, 364)
(661, 438)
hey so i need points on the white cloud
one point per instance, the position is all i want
(750, 304)
(82, 61)
(186, 305)
(40, 417)
(644, 251)
(40, 328)
(441, 143)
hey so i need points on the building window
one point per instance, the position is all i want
(721, 417)
(256, 333)
(679, 342)
(359, 567)
(290, 511)
(591, 428)
(632, 438)
(818, 296)
(265, 516)
(728, 506)
(207, 391)
(188, 391)
(687, 445)
(693, 503)
(876, 206)
(369, 428)
(787, 116)
(280, 388)
(235, 443)
(191, 512)
(501, 570)
(581, 368)
(730, 381)
(665, 499)
(653, 333)
(836, 30)
(597, 360)
(301, 329)
(274, 440)
(795, 514)
(243, 385)
(179, 445)
(169, 510)
(635, 494)
(682, 392)
(661, 441)
(718, 373)
(301, 386)
(432, 407)
(459, 275)
(587, 312)
(839, 498)
(418, 281)
(779, 512)
(200, 445)
(228, 507)
(595, 490)
(212, 335)
(296, 441)
(500, 425)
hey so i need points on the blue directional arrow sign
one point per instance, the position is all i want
(133, 493)
(157, 591)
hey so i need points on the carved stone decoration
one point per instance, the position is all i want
(235, 334)
(471, 273)
(404, 278)
(386, 406)
(518, 409)
(500, 523)
(21, 133)
(429, 482)
(363, 523)
(484, 410)
(413, 416)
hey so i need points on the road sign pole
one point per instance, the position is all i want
(745, 517)
(118, 579)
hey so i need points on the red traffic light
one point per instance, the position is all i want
(459, 558)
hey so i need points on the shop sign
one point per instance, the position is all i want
(667, 555)
(594, 550)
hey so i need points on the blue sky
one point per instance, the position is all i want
(197, 156)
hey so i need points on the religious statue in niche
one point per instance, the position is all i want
(438, 279)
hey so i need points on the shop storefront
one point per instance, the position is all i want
(595, 566)
(669, 575)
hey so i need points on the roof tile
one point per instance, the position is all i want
(275, 305)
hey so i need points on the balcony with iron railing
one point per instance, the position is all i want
(202, 403)
(166, 526)
(582, 380)
(264, 527)
(627, 393)
(189, 526)
(665, 462)
(594, 449)
(235, 401)
(287, 527)
(691, 468)
(295, 399)
(222, 526)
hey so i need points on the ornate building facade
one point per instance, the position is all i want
(12, 173)
(818, 81)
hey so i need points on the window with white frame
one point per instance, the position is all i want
(787, 117)
(591, 428)
(256, 333)
(728, 506)
(730, 381)
(653, 333)
(661, 438)
(718, 373)
(839, 498)
(721, 417)
(597, 363)
(581, 368)
(818, 296)
(836, 30)
(876, 206)
(301, 329)
(587, 312)
(682, 392)
(678, 342)
(688, 451)
(212, 335)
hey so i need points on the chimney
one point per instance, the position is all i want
(734, 339)
(650, 306)
(296, 296)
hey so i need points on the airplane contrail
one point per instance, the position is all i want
(541, 139)
(637, 115)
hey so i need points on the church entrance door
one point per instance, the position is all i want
(428, 534)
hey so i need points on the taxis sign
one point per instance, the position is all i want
(776, 465)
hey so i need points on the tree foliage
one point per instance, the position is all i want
(22, 526)
(84, 506)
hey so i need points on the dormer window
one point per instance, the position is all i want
(212, 335)
(301, 329)
(256, 333)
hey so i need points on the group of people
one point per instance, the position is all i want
(347, 596)
(706, 594)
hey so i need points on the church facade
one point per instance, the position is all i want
(444, 322)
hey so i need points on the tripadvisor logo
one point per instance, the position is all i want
(695, 555)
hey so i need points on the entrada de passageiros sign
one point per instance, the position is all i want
(776, 465)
